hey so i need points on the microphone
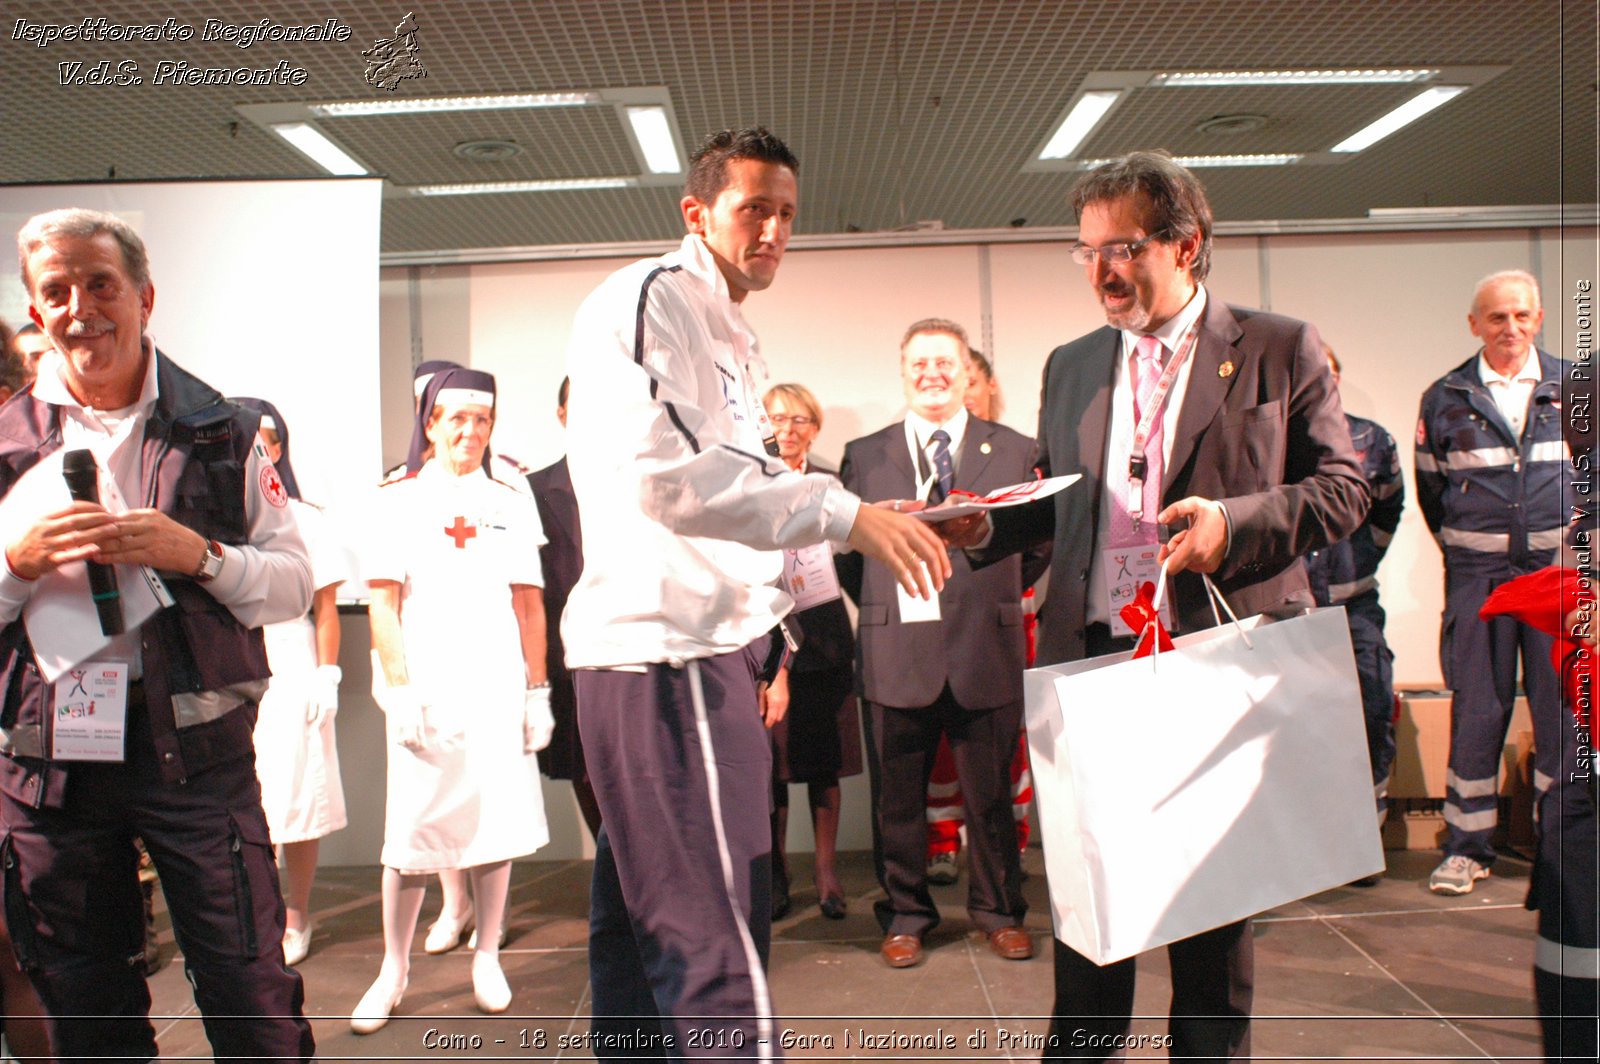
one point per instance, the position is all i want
(83, 481)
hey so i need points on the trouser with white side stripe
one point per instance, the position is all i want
(1375, 670)
(1479, 659)
(680, 908)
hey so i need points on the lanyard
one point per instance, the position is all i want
(1138, 467)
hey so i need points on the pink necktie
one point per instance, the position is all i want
(1146, 372)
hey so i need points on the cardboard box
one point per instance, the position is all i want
(1422, 743)
(1414, 828)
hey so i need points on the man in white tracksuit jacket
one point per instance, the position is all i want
(685, 513)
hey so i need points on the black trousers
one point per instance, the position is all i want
(982, 743)
(1213, 981)
(76, 915)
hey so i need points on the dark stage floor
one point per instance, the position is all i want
(1390, 972)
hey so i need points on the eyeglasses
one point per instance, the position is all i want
(1084, 255)
(799, 421)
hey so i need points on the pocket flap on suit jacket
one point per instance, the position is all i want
(874, 613)
(1272, 411)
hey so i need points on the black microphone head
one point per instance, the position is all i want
(79, 461)
(83, 479)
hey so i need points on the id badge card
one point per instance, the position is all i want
(809, 576)
(1126, 568)
(90, 720)
(914, 609)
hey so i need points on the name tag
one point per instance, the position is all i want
(91, 712)
(1126, 568)
(809, 576)
(915, 609)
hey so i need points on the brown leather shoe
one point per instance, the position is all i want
(901, 951)
(1011, 943)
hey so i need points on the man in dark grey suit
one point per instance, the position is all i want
(1221, 422)
(952, 669)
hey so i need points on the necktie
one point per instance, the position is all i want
(944, 472)
(1146, 372)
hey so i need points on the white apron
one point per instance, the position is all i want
(471, 796)
(299, 768)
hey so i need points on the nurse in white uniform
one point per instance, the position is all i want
(297, 758)
(458, 625)
(455, 912)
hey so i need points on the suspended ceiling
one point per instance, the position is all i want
(900, 112)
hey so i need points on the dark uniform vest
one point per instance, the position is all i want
(203, 670)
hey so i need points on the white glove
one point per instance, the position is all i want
(324, 700)
(403, 706)
(538, 723)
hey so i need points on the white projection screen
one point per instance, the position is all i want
(264, 288)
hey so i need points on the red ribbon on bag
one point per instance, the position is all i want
(1142, 612)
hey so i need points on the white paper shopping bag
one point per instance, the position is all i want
(1184, 792)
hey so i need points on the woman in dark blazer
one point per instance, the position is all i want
(819, 739)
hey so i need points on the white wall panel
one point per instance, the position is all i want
(1394, 309)
(833, 321)
(1393, 305)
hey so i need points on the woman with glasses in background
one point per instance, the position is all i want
(818, 740)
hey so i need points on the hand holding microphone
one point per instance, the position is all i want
(87, 532)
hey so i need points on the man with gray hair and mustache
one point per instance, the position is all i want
(139, 725)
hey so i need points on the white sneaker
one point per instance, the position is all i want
(296, 944)
(445, 934)
(372, 1012)
(1456, 874)
(942, 869)
(489, 987)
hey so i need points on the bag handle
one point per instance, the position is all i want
(1213, 596)
(1151, 626)
(1218, 600)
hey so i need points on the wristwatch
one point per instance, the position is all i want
(210, 564)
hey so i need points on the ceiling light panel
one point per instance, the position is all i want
(1400, 117)
(433, 105)
(310, 142)
(480, 188)
(1194, 79)
(1086, 113)
(653, 130)
(1194, 161)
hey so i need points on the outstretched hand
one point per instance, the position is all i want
(901, 542)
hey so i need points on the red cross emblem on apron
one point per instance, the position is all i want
(461, 532)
